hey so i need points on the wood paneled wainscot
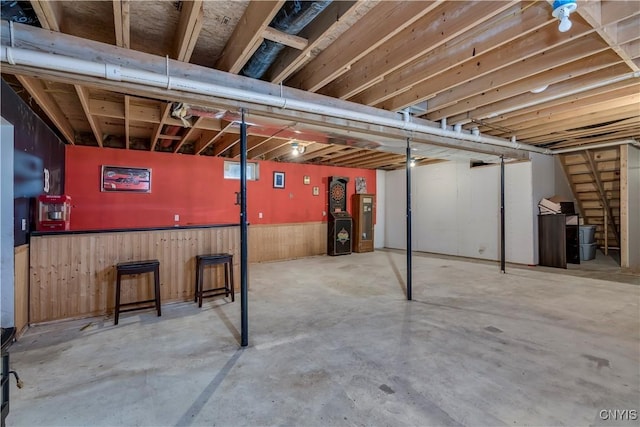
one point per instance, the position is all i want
(272, 242)
(73, 275)
(21, 287)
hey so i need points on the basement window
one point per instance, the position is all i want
(232, 170)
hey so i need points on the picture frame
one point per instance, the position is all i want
(278, 179)
(124, 178)
(306, 180)
(316, 191)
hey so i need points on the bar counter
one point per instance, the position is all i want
(72, 273)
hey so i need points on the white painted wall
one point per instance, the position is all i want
(543, 169)
(633, 216)
(6, 223)
(562, 186)
(456, 210)
(394, 208)
(379, 227)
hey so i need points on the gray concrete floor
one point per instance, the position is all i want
(333, 341)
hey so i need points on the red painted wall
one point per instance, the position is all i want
(194, 188)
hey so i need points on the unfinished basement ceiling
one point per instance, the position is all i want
(471, 65)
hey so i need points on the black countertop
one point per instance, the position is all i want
(7, 337)
(125, 230)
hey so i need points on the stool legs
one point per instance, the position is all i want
(131, 269)
(233, 293)
(156, 277)
(117, 313)
(204, 260)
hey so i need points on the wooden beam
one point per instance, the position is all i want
(502, 29)
(170, 137)
(253, 141)
(158, 130)
(247, 35)
(449, 89)
(624, 206)
(439, 26)
(189, 27)
(603, 16)
(560, 93)
(584, 105)
(565, 127)
(122, 23)
(316, 32)
(37, 91)
(127, 137)
(62, 44)
(204, 143)
(468, 96)
(295, 42)
(188, 134)
(83, 95)
(266, 147)
(601, 192)
(388, 18)
(49, 13)
(321, 152)
(225, 142)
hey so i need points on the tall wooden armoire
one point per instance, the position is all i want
(362, 207)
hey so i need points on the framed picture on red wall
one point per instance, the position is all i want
(121, 178)
(278, 180)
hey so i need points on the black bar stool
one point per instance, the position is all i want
(214, 259)
(138, 267)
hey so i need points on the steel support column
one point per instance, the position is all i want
(244, 315)
(408, 220)
(502, 236)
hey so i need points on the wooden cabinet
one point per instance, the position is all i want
(558, 240)
(363, 219)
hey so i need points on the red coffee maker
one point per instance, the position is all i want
(54, 213)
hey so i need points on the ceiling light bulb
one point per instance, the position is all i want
(561, 10)
(297, 148)
(539, 89)
(412, 163)
(565, 24)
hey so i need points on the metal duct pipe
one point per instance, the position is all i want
(291, 19)
(41, 60)
(593, 146)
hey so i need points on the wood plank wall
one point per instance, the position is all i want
(73, 276)
(21, 288)
(287, 241)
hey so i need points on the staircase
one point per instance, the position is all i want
(594, 176)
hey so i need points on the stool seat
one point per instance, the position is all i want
(214, 259)
(138, 267)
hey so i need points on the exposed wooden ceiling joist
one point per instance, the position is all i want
(474, 63)
(248, 35)
(37, 91)
(189, 27)
(122, 23)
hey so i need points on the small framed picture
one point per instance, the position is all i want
(306, 180)
(278, 180)
(316, 191)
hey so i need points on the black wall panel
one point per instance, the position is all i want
(38, 160)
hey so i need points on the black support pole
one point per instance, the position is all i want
(502, 236)
(408, 220)
(244, 315)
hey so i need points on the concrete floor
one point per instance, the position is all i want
(334, 342)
